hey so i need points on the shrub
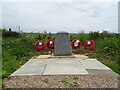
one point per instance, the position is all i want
(6, 33)
(94, 35)
(40, 37)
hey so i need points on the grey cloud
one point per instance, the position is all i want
(58, 16)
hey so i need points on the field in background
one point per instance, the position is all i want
(17, 48)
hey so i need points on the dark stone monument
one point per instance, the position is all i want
(62, 45)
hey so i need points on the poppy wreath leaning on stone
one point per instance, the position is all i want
(76, 43)
(39, 45)
(90, 45)
(50, 44)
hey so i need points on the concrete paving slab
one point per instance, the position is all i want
(102, 72)
(64, 66)
(93, 64)
(63, 61)
(32, 67)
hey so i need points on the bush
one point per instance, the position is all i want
(6, 33)
(40, 37)
(94, 35)
(82, 37)
(15, 52)
(108, 50)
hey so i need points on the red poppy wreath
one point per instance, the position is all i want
(76, 43)
(39, 45)
(90, 45)
(50, 44)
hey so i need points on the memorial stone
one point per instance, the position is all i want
(62, 45)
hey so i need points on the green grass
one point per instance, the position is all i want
(17, 50)
(112, 64)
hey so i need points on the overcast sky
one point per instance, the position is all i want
(60, 16)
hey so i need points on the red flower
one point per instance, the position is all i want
(50, 44)
(91, 43)
(76, 43)
(39, 45)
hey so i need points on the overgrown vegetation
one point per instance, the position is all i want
(17, 48)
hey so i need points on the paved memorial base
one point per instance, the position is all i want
(63, 66)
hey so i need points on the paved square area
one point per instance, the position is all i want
(32, 67)
(63, 66)
(101, 72)
(93, 64)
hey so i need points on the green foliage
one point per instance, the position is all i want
(82, 37)
(104, 34)
(113, 65)
(94, 35)
(107, 51)
(49, 36)
(70, 84)
(6, 33)
(75, 78)
(16, 51)
(45, 80)
(40, 37)
(108, 46)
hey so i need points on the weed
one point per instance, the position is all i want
(70, 84)
(75, 78)
(45, 80)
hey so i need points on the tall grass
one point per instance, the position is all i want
(108, 52)
(17, 50)
(107, 48)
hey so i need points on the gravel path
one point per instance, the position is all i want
(64, 81)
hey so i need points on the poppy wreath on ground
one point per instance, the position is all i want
(39, 45)
(50, 44)
(76, 43)
(90, 45)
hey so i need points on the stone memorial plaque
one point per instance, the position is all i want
(62, 45)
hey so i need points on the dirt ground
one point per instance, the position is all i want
(64, 81)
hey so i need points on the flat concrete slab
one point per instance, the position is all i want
(93, 64)
(102, 72)
(64, 66)
(63, 61)
(32, 67)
